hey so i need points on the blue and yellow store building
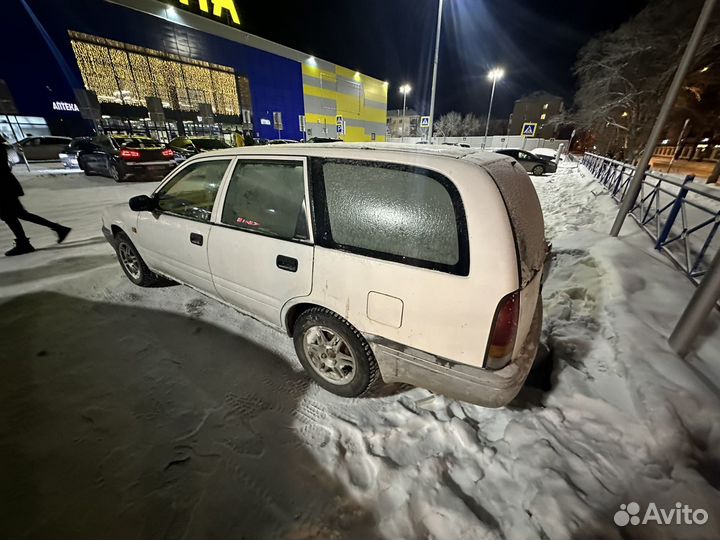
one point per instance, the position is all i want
(191, 55)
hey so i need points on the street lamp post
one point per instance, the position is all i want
(435, 67)
(404, 90)
(495, 75)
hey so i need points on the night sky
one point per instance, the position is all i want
(536, 41)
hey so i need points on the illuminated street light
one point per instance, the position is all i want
(624, 114)
(494, 75)
(703, 70)
(404, 90)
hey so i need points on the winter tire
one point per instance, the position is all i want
(335, 354)
(538, 170)
(132, 264)
(115, 173)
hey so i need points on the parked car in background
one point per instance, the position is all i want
(42, 148)
(321, 140)
(325, 243)
(69, 154)
(185, 147)
(282, 141)
(461, 145)
(123, 157)
(260, 141)
(537, 165)
(545, 152)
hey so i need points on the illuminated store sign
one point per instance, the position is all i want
(219, 9)
(65, 106)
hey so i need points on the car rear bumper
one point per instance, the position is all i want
(489, 388)
(153, 169)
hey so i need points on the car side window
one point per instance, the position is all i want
(268, 197)
(191, 192)
(524, 155)
(394, 212)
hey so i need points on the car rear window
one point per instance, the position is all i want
(394, 212)
(137, 142)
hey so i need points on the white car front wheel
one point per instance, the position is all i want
(132, 264)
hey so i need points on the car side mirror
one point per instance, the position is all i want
(143, 203)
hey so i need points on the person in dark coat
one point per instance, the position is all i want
(12, 211)
(249, 141)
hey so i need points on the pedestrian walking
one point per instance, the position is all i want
(12, 211)
(249, 141)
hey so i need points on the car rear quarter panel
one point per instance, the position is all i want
(443, 314)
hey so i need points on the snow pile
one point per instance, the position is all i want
(158, 412)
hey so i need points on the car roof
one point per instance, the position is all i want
(128, 136)
(364, 151)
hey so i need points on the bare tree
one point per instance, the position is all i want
(448, 125)
(470, 125)
(623, 75)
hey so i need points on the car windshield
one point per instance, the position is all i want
(209, 144)
(137, 142)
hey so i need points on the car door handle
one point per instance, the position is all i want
(286, 263)
(196, 239)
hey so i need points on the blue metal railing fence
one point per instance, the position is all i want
(682, 219)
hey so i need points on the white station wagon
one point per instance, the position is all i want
(420, 265)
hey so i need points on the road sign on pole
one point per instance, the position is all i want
(277, 121)
(303, 125)
(529, 129)
(424, 121)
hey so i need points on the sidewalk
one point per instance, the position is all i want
(683, 167)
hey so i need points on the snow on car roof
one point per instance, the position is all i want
(367, 151)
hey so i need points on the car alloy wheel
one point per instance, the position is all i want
(538, 170)
(129, 260)
(329, 355)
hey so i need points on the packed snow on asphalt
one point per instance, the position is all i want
(130, 412)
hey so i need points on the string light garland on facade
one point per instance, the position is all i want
(126, 74)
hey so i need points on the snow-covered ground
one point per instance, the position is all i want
(131, 412)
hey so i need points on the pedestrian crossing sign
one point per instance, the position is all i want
(424, 121)
(528, 129)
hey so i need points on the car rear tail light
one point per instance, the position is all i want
(129, 155)
(168, 153)
(504, 332)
